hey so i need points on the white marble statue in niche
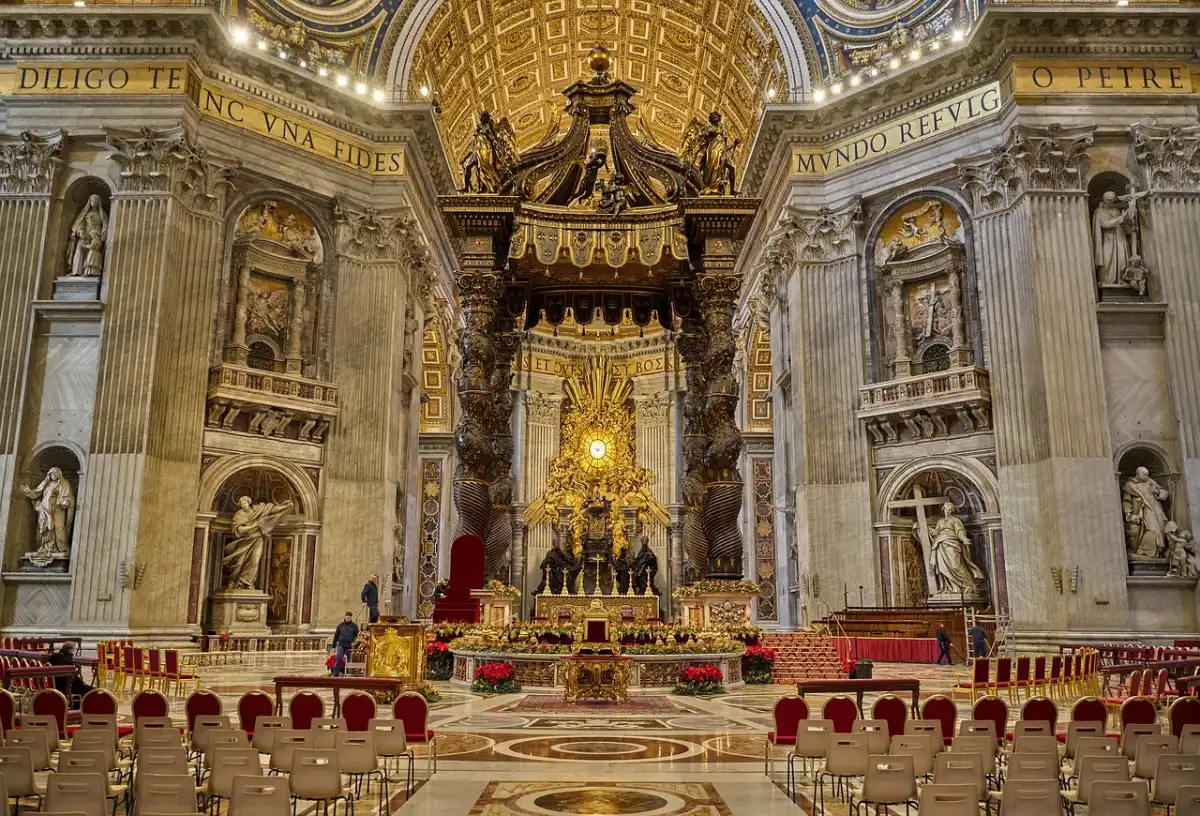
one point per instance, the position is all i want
(1180, 551)
(89, 233)
(242, 557)
(54, 502)
(1115, 241)
(1145, 518)
(954, 571)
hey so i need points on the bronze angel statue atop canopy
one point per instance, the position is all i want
(708, 148)
(493, 152)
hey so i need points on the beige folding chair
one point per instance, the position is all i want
(889, 780)
(162, 762)
(1031, 768)
(1031, 797)
(1174, 772)
(1091, 746)
(28, 722)
(985, 746)
(878, 737)
(1189, 740)
(316, 777)
(260, 796)
(959, 768)
(1118, 799)
(977, 728)
(1035, 744)
(90, 738)
(323, 729)
(932, 728)
(81, 793)
(287, 742)
(1095, 769)
(35, 742)
(948, 800)
(201, 727)
(16, 768)
(77, 761)
(917, 747)
(157, 794)
(390, 743)
(1039, 728)
(1134, 732)
(265, 730)
(1187, 802)
(1076, 730)
(356, 754)
(845, 759)
(1149, 749)
(225, 764)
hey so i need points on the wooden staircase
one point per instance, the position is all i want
(803, 656)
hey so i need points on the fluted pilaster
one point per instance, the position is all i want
(655, 440)
(543, 417)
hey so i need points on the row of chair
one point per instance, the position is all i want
(140, 668)
(1068, 676)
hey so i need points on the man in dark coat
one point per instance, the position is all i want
(343, 642)
(978, 641)
(943, 642)
(74, 684)
(370, 596)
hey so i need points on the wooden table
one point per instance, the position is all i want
(909, 684)
(336, 684)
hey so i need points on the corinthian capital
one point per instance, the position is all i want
(1170, 156)
(826, 234)
(147, 158)
(29, 163)
(202, 182)
(370, 234)
(991, 179)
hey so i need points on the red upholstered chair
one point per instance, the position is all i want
(891, 708)
(413, 710)
(1055, 681)
(1138, 711)
(786, 717)
(1089, 709)
(980, 672)
(1003, 681)
(149, 703)
(173, 672)
(1041, 708)
(52, 703)
(1183, 712)
(303, 708)
(941, 708)
(995, 710)
(842, 711)
(1023, 681)
(1070, 663)
(98, 701)
(251, 706)
(201, 704)
(358, 709)
(467, 559)
(1039, 683)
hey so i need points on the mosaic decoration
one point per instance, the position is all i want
(760, 415)
(764, 538)
(632, 798)
(435, 388)
(431, 534)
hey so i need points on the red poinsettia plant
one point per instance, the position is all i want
(439, 662)
(700, 680)
(760, 663)
(496, 678)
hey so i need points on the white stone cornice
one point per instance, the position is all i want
(1169, 156)
(29, 163)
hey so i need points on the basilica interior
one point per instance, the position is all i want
(613, 391)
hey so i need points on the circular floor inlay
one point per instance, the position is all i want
(598, 748)
(600, 800)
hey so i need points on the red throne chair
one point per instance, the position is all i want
(467, 561)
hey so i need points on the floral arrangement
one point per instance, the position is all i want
(496, 678)
(501, 588)
(430, 694)
(439, 663)
(695, 681)
(710, 586)
(760, 664)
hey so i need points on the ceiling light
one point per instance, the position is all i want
(1122, 2)
(770, 93)
(915, 54)
(262, 45)
(378, 95)
(425, 91)
(855, 81)
(240, 35)
(303, 64)
(322, 71)
(80, 4)
(894, 62)
(342, 81)
(873, 72)
(819, 94)
(360, 88)
(836, 88)
(282, 54)
(957, 35)
(935, 45)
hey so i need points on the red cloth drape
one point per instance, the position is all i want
(888, 650)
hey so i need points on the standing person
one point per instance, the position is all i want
(370, 596)
(943, 642)
(72, 685)
(343, 641)
(978, 641)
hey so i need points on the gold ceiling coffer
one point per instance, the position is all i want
(600, 225)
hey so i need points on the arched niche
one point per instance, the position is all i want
(1163, 475)
(910, 506)
(922, 292)
(287, 569)
(1118, 253)
(75, 199)
(70, 462)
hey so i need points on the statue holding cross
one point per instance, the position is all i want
(950, 572)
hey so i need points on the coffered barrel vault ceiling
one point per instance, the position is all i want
(686, 57)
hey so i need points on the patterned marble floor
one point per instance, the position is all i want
(529, 754)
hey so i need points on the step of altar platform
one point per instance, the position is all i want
(803, 656)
